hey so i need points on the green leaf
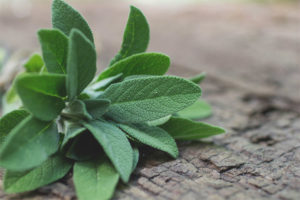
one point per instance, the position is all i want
(54, 46)
(146, 99)
(185, 129)
(136, 35)
(49, 171)
(72, 130)
(66, 18)
(198, 78)
(105, 82)
(9, 121)
(95, 179)
(159, 121)
(115, 145)
(139, 64)
(136, 155)
(83, 147)
(76, 110)
(42, 94)
(81, 67)
(199, 110)
(34, 64)
(11, 100)
(29, 144)
(97, 107)
(152, 136)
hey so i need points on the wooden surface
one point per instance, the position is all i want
(252, 56)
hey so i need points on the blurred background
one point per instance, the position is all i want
(254, 43)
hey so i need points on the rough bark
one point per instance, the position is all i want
(253, 85)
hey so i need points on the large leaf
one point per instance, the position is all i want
(34, 64)
(49, 171)
(185, 129)
(146, 99)
(136, 35)
(115, 145)
(29, 144)
(10, 121)
(42, 94)
(152, 136)
(139, 64)
(95, 179)
(55, 50)
(65, 18)
(97, 107)
(81, 67)
(199, 110)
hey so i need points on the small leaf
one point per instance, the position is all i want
(105, 82)
(160, 121)
(29, 144)
(97, 107)
(66, 18)
(42, 94)
(10, 121)
(72, 130)
(81, 67)
(136, 155)
(95, 179)
(76, 110)
(152, 136)
(83, 147)
(34, 64)
(198, 78)
(136, 35)
(147, 99)
(55, 50)
(49, 171)
(139, 64)
(185, 129)
(199, 110)
(115, 145)
(11, 100)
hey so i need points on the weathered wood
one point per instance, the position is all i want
(252, 58)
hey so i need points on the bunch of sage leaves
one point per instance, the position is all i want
(66, 118)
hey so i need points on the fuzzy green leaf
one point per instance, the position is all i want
(100, 85)
(84, 147)
(115, 145)
(10, 121)
(185, 129)
(159, 121)
(136, 35)
(139, 64)
(97, 107)
(95, 179)
(54, 46)
(11, 100)
(152, 136)
(199, 110)
(29, 144)
(34, 64)
(81, 67)
(49, 171)
(146, 99)
(72, 130)
(136, 156)
(76, 110)
(42, 94)
(66, 18)
(198, 78)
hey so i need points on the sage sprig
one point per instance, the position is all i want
(66, 117)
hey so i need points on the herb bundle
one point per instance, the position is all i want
(68, 119)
